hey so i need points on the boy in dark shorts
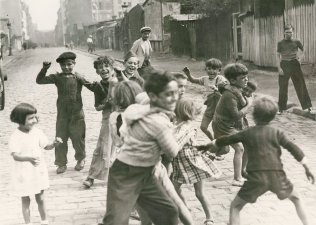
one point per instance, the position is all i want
(263, 144)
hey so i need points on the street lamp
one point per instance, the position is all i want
(124, 7)
(10, 42)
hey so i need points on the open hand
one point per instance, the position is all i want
(186, 70)
(35, 161)
(281, 73)
(58, 141)
(46, 64)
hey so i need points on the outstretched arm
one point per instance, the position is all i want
(41, 77)
(56, 142)
(191, 78)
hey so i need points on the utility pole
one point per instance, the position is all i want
(9, 38)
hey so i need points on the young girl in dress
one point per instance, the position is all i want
(29, 173)
(189, 166)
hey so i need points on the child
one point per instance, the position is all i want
(263, 143)
(130, 72)
(29, 174)
(229, 110)
(189, 166)
(101, 155)
(70, 117)
(148, 133)
(182, 81)
(211, 95)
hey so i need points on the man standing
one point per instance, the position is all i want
(90, 44)
(142, 48)
(290, 53)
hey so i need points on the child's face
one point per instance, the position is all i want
(30, 121)
(145, 35)
(247, 91)
(67, 65)
(212, 72)
(131, 65)
(240, 82)
(105, 71)
(182, 83)
(168, 98)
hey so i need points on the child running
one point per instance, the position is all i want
(189, 166)
(29, 173)
(263, 144)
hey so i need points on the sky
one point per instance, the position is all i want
(43, 13)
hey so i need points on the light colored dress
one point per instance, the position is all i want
(28, 179)
(190, 166)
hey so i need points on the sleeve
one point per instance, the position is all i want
(43, 79)
(184, 134)
(300, 45)
(134, 47)
(43, 141)
(167, 142)
(200, 80)
(230, 139)
(86, 83)
(14, 144)
(291, 147)
(232, 106)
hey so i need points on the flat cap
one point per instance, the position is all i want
(66, 55)
(145, 29)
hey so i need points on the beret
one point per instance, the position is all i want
(144, 29)
(66, 55)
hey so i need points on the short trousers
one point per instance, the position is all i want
(259, 182)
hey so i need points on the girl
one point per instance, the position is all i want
(189, 166)
(29, 174)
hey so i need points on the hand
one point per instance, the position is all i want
(186, 70)
(281, 73)
(309, 175)
(35, 161)
(169, 169)
(57, 141)
(46, 64)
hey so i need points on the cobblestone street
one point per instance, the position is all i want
(68, 203)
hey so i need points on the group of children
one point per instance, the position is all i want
(146, 148)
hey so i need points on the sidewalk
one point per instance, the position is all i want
(267, 80)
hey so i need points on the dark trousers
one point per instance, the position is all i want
(128, 185)
(292, 69)
(70, 124)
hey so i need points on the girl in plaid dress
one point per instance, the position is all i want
(190, 166)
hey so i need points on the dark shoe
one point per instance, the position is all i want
(80, 165)
(61, 169)
(88, 182)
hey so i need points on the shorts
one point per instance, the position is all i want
(260, 182)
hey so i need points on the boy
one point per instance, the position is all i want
(182, 81)
(231, 108)
(101, 155)
(70, 117)
(265, 170)
(148, 133)
(211, 95)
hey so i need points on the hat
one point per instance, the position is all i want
(145, 29)
(66, 55)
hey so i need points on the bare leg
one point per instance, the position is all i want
(198, 187)
(237, 161)
(294, 197)
(177, 186)
(26, 209)
(204, 127)
(234, 212)
(40, 199)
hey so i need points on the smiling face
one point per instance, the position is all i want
(167, 99)
(240, 81)
(105, 71)
(145, 35)
(131, 65)
(30, 121)
(67, 65)
(212, 72)
(288, 34)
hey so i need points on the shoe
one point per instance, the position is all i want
(208, 222)
(88, 182)
(311, 110)
(61, 169)
(134, 215)
(238, 183)
(80, 165)
(280, 112)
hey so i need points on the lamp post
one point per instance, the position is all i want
(10, 42)
(124, 7)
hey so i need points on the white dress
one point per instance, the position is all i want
(27, 179)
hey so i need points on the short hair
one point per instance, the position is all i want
(233, 70)
(129, 55)
(125, 93)
(186, 109)
(19, 113)
(252, 85)
(214, 63)
(179, 75)
(157, 81)
(264, 110)
(288, 27)
(107, 60)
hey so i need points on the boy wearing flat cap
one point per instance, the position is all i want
(142, 48)
(70, 117)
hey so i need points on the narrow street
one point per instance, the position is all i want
(68, 203)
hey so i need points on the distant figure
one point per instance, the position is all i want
(142, 48)
(90, 44)
(290, 53)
